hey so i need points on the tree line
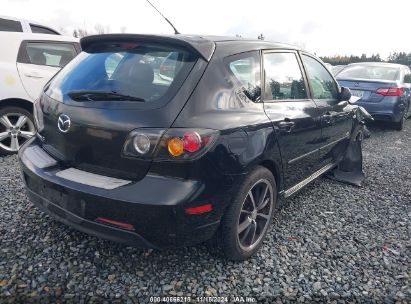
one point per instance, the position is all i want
(396, 57)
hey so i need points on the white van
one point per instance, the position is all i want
(27, 62)
(10, 24)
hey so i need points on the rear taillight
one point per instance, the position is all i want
(392, 91)
(191, 141)
(171, 144)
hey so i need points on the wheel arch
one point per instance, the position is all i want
(17, 102)
(274, 169)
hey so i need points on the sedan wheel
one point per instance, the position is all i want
(16, 126)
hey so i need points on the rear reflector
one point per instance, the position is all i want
(393, 91)
(121, 225)
(199, 209)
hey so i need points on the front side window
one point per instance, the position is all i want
(50, 54)
(322, 84)
(283, 77)
(139, 72)
(246, 70)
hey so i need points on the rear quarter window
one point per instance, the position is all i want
(246, 71)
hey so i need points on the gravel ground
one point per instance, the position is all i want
(333, 242)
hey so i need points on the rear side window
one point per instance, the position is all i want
(321, 82)
(141, 73)
(246, 70)
(42, 30)
(10, 26)
(283, 77)
(50, 54)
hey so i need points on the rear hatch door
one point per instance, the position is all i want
(108, 91)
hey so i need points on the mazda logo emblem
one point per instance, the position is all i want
(64, 123)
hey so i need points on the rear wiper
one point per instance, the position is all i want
(101, 95)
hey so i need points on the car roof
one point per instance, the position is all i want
(237, 39)
(202, 44)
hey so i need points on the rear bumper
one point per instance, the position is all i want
(390, 108)
(154, 206)
(89, 227)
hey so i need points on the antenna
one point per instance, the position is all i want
(175, 30)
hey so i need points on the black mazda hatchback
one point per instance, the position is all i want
(207, 144)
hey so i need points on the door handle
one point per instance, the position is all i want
(327, 118)
(33, 76)
(286, 125)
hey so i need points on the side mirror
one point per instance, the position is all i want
(345, 94)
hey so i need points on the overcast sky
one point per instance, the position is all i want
(324, 27)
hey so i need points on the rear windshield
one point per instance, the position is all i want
(372, 72)
(136, 73)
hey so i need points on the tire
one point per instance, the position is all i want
(16, 126)
(254, 224)
(399, 126)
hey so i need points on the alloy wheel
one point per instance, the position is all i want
(15, 129)
(255, 215)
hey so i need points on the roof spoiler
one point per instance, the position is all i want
(202, 47)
